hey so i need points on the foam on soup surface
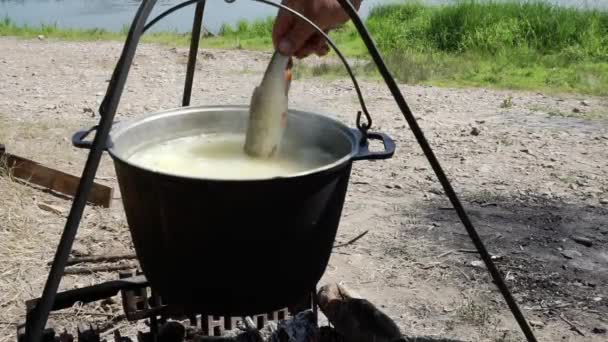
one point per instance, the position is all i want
(221, 156)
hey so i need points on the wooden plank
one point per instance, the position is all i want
(52, 179)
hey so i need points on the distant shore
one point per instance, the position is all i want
(529, 46)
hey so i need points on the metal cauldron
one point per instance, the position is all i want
(234, 247)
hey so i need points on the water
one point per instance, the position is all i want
(115, 14)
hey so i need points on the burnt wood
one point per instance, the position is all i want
(355, 318)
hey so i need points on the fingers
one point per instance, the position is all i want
(319, 51)
(315, 45)
(296, 39)
(283, 23)
(322, 50)
(310, 46)
(322, 46)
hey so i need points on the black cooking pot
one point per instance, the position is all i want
(234, 247)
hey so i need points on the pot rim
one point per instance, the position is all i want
(123, 126)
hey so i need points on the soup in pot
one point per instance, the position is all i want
(221, 156)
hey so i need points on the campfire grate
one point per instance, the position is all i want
(141, 303)
(144, 303)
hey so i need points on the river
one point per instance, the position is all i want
(115, 14)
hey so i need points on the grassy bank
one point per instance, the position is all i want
(508, 45)
(533, 46)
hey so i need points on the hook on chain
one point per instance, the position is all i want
(364, 127)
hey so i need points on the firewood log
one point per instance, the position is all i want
(355, 318)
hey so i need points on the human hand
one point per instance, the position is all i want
(294, 37)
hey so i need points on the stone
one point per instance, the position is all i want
(537, 323)
(585, 103)
(88, 110)
(51, 208)
(477, 263)
(80, 250)
(108, 301)
(582, 240)
(571, 254)
(207, 55)
(599, 330)
(475, 131)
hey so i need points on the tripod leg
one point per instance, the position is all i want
(39, 316)
(196, 35)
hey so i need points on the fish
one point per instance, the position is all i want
(268, 109)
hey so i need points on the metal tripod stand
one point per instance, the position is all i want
(38, 317)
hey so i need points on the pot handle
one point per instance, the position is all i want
(78, 138)
(365, 154)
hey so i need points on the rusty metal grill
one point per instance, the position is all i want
(140, 302)
(143, 303)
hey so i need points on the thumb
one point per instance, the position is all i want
(295, 38)
(282, 25)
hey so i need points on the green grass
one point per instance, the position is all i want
(9, 28)
(528, 45)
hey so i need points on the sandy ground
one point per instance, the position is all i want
(531, 169)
